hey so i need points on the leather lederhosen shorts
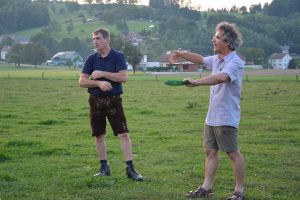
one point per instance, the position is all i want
(107, 107)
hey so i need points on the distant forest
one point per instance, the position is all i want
(178, 25)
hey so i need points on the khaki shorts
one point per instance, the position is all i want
(110, 108)
(223, 138)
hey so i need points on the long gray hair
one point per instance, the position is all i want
(231, 34)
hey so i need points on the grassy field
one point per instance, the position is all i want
(47, 152)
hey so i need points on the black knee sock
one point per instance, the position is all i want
(129, 163)
(103, 162)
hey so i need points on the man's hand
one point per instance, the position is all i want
(174, 56)
(104, 86)
(189, 82)
(97, 74)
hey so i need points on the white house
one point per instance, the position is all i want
(145, 64)
(129, 66)
(280, 60)
(64, 58)
(134, 38)
(4, 52)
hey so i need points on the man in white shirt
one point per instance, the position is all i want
(223, 116)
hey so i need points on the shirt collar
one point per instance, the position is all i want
(110, 54)
(228, 56)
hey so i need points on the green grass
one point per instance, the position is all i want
(47, 152)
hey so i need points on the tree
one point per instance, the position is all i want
(120, 1)
(185, 4)
(22, 14)
(32, 15)
(282, 8)
(70, 27)
(50, 43)
(75, 44)
(99, 1)
(53, 27)
(72, 6)
(157, 4)
(69, 62)
(234, 9)
(116, 41)
(132, 2)
(243, 10)
(122, 26)
(133, 55)
(76, 61)
(172, 3)
(255, 55)
(6, 41)
(255, 9)
(89, 1)
(292, 64)
(16, 54)
(34, 54)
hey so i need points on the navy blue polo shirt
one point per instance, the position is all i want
(113, 62)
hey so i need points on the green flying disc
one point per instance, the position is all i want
(175, 82)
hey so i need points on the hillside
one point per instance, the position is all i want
(171, 28)
(81, 29)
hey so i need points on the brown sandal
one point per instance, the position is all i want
(200, 192)
(237, 196)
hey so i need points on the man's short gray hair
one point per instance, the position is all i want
(103, 31)
(231, 34)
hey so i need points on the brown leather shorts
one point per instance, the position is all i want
(110, 108)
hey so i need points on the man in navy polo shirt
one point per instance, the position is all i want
(103, 74)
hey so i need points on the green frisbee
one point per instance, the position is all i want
(175, 82)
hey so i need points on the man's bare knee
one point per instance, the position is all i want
(124, 136)
(236, 155)
(210, 153)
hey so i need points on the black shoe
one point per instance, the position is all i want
(133, 174)
(104, 171)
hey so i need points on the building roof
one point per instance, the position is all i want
(65, 55)
(277, 55)
(164, 57)
(134, 37)
(21, 39)
(6, 48)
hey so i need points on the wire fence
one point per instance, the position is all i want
(57, 74)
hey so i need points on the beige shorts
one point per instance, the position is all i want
(223, 138)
